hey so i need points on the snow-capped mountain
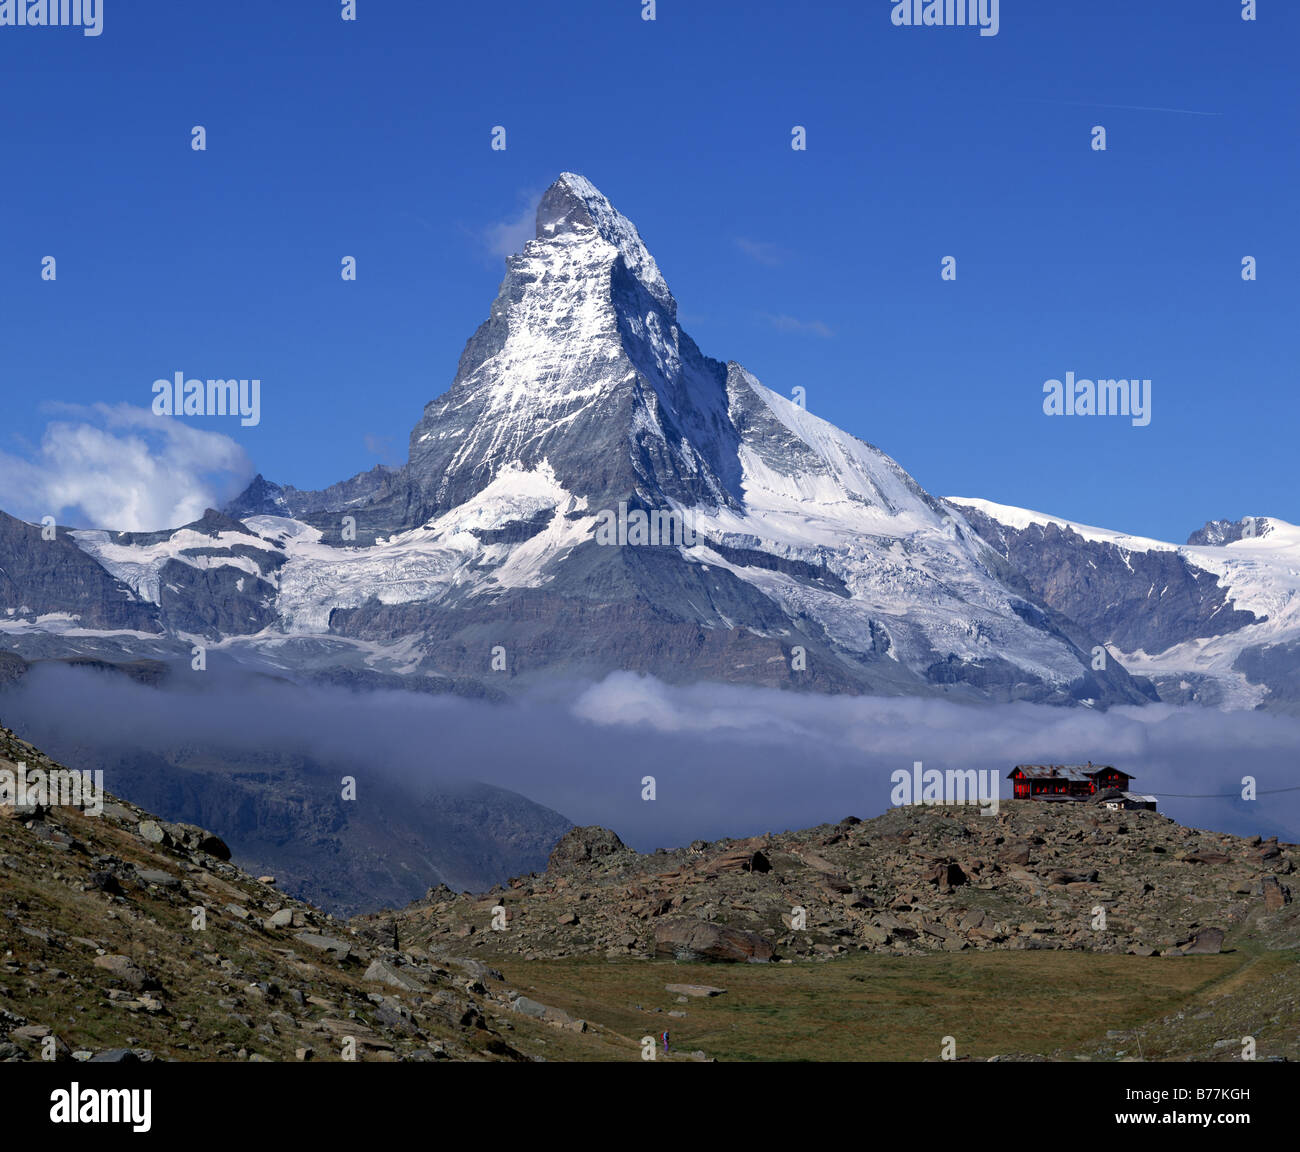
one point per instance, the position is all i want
(817, 563)
(1215, 620)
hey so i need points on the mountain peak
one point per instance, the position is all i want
(573, 203)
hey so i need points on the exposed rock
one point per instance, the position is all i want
(339, 949)
(1276, 896)
(579, 845)
(1206, 942)
(154, 833)
(156, 876)
(689, 939)
(126, 970)
(387, 973)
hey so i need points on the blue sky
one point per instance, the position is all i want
(820, 268)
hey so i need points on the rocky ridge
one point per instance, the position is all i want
(912, 881)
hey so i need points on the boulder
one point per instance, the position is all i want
(580, 845)
(126, 970)
(1207, 942)
(1276, 896)
(154, 833)
(214, 846)
(155, 876)
(1073, 877)
(339, 949)
(386, 973)
(689, 939)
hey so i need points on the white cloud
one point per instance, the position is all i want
(784, 323)
(821, 751)
(506, 237)
(381, 446)
(123, 468)
(761, 251)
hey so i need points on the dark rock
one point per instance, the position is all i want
(1276, 896)
(1207, 942)
(154, 876)
(115, 1056)
(690, 939)
(1064, 877)
(105, 882)
(579, 845)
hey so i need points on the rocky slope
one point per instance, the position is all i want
(102, 958)
(912, 881)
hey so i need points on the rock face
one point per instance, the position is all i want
(40, 577)
(1105, 587)
(1215, 620)
(687, 939)
(579, 845)
(211, 578)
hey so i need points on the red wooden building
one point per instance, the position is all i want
(1065, 781)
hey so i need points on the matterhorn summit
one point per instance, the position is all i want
(800, 556)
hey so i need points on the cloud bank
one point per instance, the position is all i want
(727, 760)
(123, 468)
